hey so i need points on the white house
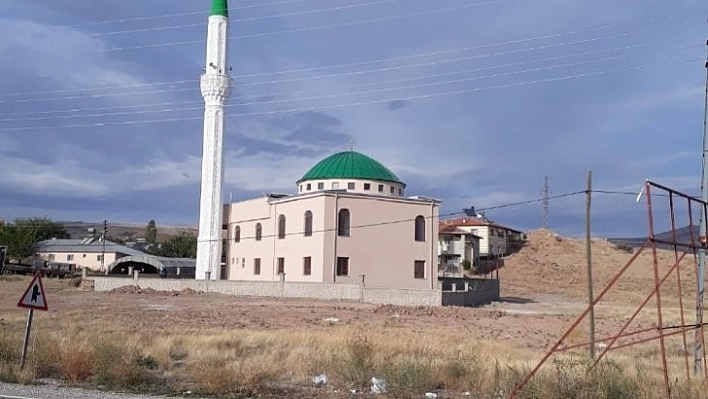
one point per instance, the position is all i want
(455, 247)
(495, 240)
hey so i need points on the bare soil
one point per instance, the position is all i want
(543, 291)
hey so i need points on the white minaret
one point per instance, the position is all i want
(216, 87)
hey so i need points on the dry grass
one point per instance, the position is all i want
(250, 362)
(159, 344)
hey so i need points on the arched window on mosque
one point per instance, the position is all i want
(259, 232)
(308, 224)
(344, 223)
(281, 226)
(419, 228)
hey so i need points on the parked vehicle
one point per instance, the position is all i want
(47, 268)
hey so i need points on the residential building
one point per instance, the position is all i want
(495, 240)
(349, 222)
(85, 252)
(456, 247)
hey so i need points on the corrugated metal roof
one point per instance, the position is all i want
(84, 245)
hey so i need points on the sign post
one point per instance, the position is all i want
(33, 298)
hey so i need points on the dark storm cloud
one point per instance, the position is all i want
(314, 128)
(491, 143)
(397, 104)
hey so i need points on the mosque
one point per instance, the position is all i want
(347, 232)
(349, 222)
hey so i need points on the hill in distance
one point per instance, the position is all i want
(124, 231)
(683, 235)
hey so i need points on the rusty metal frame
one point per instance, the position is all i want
(681, 250)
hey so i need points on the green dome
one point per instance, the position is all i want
(350, 165)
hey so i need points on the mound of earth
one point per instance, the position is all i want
(552, 264)
(132, 289)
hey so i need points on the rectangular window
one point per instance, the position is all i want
(51, 256)
(351, 186)
(335, 185)
(393, 190)
(243, 263)
(281, 265)
(367, 186)
(256, 266)
(320, 186)
(307, 265)
(99, 257)
(381, 188)
(400, 191)
(419, 269)
(309, 186)
(342, 266)
(70, 257)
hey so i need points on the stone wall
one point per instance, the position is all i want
(478, 291)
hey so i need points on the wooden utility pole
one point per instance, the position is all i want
(103, 245)
(588, 254)
(698, 350)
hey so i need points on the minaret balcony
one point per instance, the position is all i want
(215, 87)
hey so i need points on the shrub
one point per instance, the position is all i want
(357, 363)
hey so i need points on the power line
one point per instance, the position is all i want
(376, 70)
(330, 96)
(300, 30)
(385, 69)
(259, 95)
(181, 14)
(434, 62)
(532, 201)
(250, 19)
(337, 88)
(388, 222)
(397, 58)
(353, 104)
(353, 227)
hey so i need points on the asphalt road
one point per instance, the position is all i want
(15, 391)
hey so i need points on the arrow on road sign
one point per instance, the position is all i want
(34, 297)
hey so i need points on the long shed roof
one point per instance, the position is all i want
(88, 245)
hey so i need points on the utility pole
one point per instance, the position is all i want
(698, 338)
(103, 245)
(546, 195)
(588, 253)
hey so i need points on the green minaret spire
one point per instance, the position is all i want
(220, 7)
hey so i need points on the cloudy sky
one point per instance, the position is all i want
(470, 101)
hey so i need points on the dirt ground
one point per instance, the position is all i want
(134, 311)
(543, 291)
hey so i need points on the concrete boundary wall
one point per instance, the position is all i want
(278, 289)
(471, 293)
(403, 297)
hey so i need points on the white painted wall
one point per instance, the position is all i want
(381, 246)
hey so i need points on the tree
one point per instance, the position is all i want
(151, 232)
(183, 245)
(22, 236)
